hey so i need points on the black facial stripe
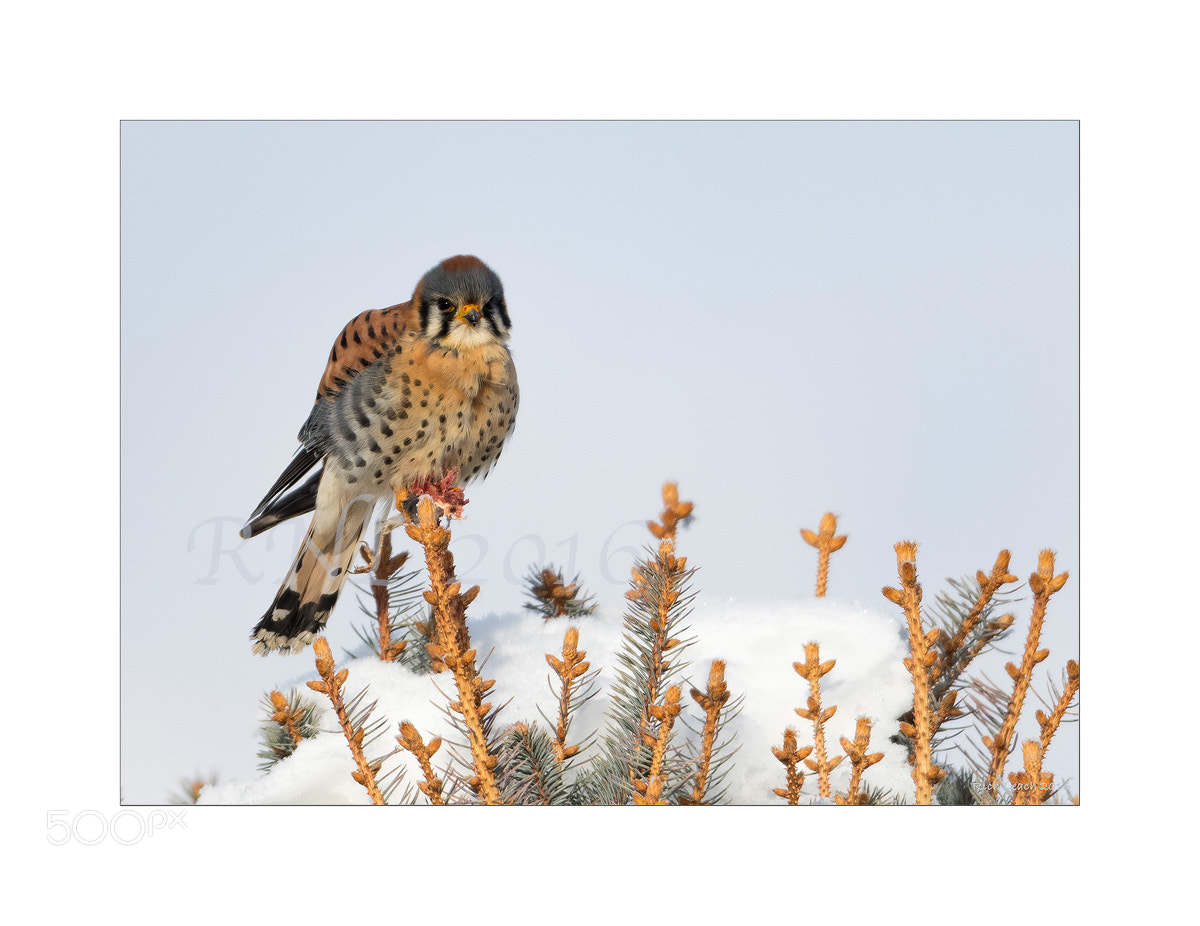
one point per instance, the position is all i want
(424, 313)
(497, 315)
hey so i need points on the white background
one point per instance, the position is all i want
(74, 71)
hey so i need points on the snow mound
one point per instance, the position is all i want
(758, 641)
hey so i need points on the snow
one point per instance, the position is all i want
(758, 641)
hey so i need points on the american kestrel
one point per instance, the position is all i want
(416, 394)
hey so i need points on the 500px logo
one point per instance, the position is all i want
(125, 827)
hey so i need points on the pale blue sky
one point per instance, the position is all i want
(878, 319)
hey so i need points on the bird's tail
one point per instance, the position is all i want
(308, 594)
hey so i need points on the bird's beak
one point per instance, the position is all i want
(469, 313)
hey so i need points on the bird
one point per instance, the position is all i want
(415, 397)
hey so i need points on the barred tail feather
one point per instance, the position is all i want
(308, 594)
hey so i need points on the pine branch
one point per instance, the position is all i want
(826, 543)
(812, 669)
(658, 590)
(330, 685)
(987, 703)
(1032, 786)
(649, 660)
(964, 605)
(713, 700)
(964, 616)
(528, 770)
(673, 514)
(381, 569)
(410, 740)
(988, 586)
(721, 765)
(453, 649)
(574, 689)
(958, 789)
(791, 756)
(551, 597)
(190, 788)
(925, 773)
(290, 721)
(393, 593)
(419, 634)
(1050, 722)
(860, 761)
(604, 782)
(650, 789)
(1043, 583)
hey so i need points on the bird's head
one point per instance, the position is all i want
(461, 304)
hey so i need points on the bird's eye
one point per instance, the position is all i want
(445, 304)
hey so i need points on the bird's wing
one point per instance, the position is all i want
(363, 341)
(280, 504)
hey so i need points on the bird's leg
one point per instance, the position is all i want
(445, 494)
(406, 504)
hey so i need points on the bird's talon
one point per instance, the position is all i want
(446, 496)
